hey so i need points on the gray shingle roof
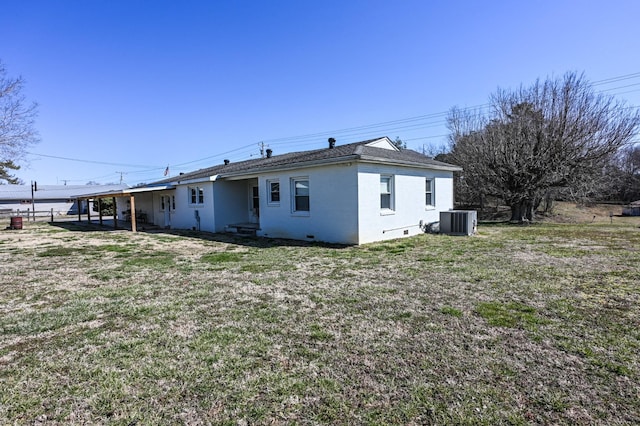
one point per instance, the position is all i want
(53, 192)
(342, 153)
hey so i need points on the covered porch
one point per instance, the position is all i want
(131, 207)
(237, 204)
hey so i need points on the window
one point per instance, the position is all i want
(429, 193)
(386, 192)
(300, 197)
(273, 191)
(196, 195)
(173, 202)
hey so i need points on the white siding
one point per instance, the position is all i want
(409, 207)
(344, 203)
(333, 211)
(144, 204)
(185, 218)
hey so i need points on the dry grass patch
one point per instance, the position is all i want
(518, 325)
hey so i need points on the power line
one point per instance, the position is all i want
(89, 161)
(408, 124)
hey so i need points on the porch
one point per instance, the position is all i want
(245, 228)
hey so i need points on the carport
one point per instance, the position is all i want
(127, 194)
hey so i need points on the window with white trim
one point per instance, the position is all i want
(386, 192)
(429, 191)
(273, 192)
(300, 194)
(196, 195)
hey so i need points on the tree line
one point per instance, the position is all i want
(556, 138)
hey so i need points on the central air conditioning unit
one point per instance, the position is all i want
(458, 222)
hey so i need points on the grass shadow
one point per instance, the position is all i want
(229, 238)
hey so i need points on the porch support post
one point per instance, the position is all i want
(115, 213)
(89, 210)
(79, 204)
(100, 210)
(133, 214)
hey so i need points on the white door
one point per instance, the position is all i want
(166, 205)
(254, 204)
(167, 211)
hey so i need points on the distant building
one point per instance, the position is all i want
(632, 209)
(62, 199)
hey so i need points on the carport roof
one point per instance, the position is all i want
(125, 192)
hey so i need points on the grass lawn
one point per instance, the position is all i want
(517, 325)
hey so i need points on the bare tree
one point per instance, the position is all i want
(623, 176)
(17, 130)
(554, 134)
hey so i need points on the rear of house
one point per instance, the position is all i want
(350, 194)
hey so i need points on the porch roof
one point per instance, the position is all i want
(125, 192)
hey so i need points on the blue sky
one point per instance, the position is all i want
(136, 86)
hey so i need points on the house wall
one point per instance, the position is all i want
(144, 204)
(332, 216)
(185, 218)
(232, 201)
(408, 198)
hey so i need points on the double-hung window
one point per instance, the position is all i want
(386, 192)
(196, 195)
(273, 192)
(430, 199)
(300, 192)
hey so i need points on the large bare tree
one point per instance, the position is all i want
(17, 129)
(557, 133)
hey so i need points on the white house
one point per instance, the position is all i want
(352, 194)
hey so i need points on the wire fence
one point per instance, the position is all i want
(32, 215)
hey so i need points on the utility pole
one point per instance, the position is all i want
(261, 144)
(121, 174)
(34, 188)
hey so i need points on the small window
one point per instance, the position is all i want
(173, 202)
(273, 189)
(386, 192)
(300, 195)
(196, 195)
(429, 193)
(162, 206)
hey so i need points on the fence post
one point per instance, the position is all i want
(28, 214)
(51, 214)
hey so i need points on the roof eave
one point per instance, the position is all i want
(211, 178)
(380, 160)
(304, 164)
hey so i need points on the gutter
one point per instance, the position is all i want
(212, 178)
